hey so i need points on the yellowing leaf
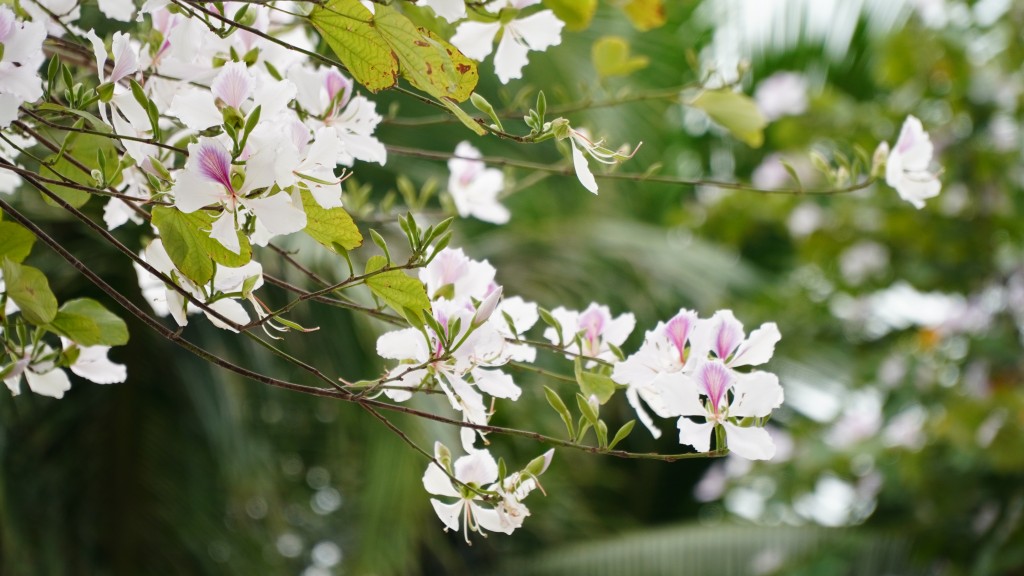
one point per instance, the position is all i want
(331, 227)
(645, 14)
(735, 112)
(576, 14)
(348, 28)
(612, 58)
(377, 47)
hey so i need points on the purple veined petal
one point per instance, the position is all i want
(726, 334)
(126, 61)
(714, 379)
(592, 323)
(214, 162)
(759, 347)
(678, 331)
(233, 85)
(335, 83)
(750, 443)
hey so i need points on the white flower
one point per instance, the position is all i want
(906, 169)
(536, 32)
(596, 328)
(38, 366)
(327, 94)
(209, 179)
(782, 94)
(666, 350)
(19, 66)
(583, 146)
(476, 470)
(455, 276)
(474, 187)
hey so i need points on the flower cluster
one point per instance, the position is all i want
(484, 501)
(688, 368)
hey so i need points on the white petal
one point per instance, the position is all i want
(437, 482)
(117, 9)
(448, 513)
(93, 364)
(750, 443)
(230, 309)
(511, 56)
(407, 344)
(583, 172)
(223, 231)
(475, 39)
(489, 519)
(478, 468)
(755, 394)
(450, 10)
(496, 383)
(694, 434)
(195, 108)
(679, 394)
(540, 30)
(277, 213)
(192, 191)
(53, 383)
(645, 418)
(758, 347)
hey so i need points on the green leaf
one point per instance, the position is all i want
(187, 240)
(645, 14)
(89, 323)
(560, 407)
(86, 149)
(611, 57)
(376, 48)
(622, 433)
(332, 227)
(735, 112)
(592, 383)
(15, 241)
(576, 14)
(401, 292)
(29, 289)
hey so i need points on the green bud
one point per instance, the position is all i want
(106, 91)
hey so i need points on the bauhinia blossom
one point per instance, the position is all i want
(476, 488)
(537, 32)
(39, 367)
(591, 333)
(475, 188)
(907, 168)
(19, 64)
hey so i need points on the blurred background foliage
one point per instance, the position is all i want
(901, 445)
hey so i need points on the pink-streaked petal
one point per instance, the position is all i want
(695, 434)
(749, 443)
(437, 482)
(448, 513)
(212, 161)
(475, 39)
(755, 394)
(126, 61)
(679, 328)
(726, 333)
(759, 347)
(714, 379)
(583, 173)
(233, 85)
